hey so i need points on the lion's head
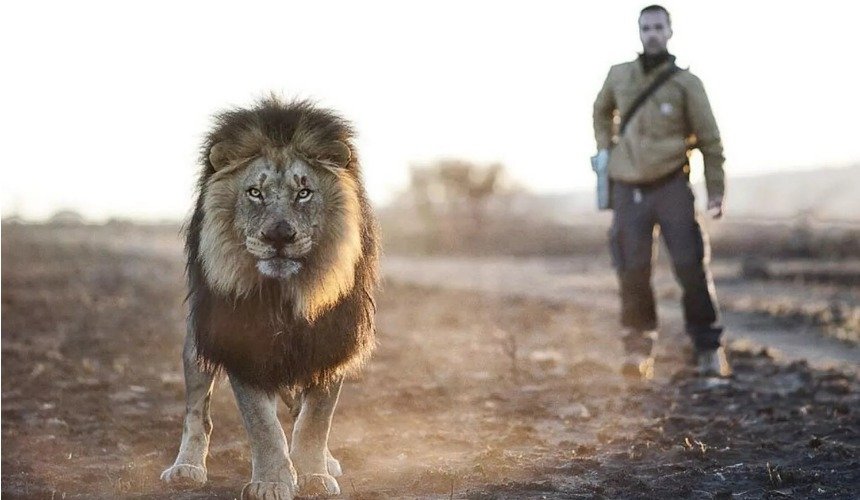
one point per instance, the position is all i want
(281, 201)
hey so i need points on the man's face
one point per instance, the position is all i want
(654, 31)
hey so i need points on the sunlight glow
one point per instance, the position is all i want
(106, 103)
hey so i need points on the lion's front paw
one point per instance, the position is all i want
(267, 490)
(312, 485)
(184, 475)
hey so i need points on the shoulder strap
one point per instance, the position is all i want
(660, 80)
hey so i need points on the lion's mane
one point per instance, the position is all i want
(268, 333)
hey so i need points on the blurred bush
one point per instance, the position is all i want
(456, 207)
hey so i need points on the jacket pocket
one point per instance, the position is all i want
(663, 113)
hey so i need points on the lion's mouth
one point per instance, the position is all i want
(279, 267)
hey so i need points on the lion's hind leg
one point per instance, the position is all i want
(313, 461)
(332, 464)
(189, 469)
(293, 400)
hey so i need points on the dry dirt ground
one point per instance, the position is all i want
(469, 395)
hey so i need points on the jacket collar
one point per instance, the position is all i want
(648, 64)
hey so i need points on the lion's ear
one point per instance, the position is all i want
(337, 153)
(219, 155)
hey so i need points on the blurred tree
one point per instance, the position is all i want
(457, 188)
(67, 218)
(453, 199)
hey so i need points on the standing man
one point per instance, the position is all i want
(664, 113)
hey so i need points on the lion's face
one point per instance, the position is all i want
(278, 215)
(280, 211)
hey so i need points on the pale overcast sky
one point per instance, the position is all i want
(104, 103)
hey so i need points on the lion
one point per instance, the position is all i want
(282, 267)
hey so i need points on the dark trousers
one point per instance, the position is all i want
(640, 213)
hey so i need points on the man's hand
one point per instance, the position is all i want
(715, 207)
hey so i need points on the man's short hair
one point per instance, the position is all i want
(657, 8)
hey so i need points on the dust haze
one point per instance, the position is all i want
(496, 374)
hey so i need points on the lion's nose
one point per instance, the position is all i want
(279, 235)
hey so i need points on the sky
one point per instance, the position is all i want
(104, 104)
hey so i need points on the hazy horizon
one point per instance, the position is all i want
(110, 101)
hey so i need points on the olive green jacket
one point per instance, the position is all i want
(676, 118)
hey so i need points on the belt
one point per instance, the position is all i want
(659, 181)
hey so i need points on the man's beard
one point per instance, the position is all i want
(654, 47)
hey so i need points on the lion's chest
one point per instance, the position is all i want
(260, 342)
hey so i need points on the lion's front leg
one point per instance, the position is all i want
(189, 468)
(313, 461)
(272, 476)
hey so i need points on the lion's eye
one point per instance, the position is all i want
(304, 195)
(255, 193)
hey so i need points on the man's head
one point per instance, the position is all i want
(655, 29)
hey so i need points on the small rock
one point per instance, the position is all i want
(576, 411)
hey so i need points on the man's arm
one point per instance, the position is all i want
(604, 107)
(704, 126)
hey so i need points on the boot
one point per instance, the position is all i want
(638, 363)
(713, 363)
